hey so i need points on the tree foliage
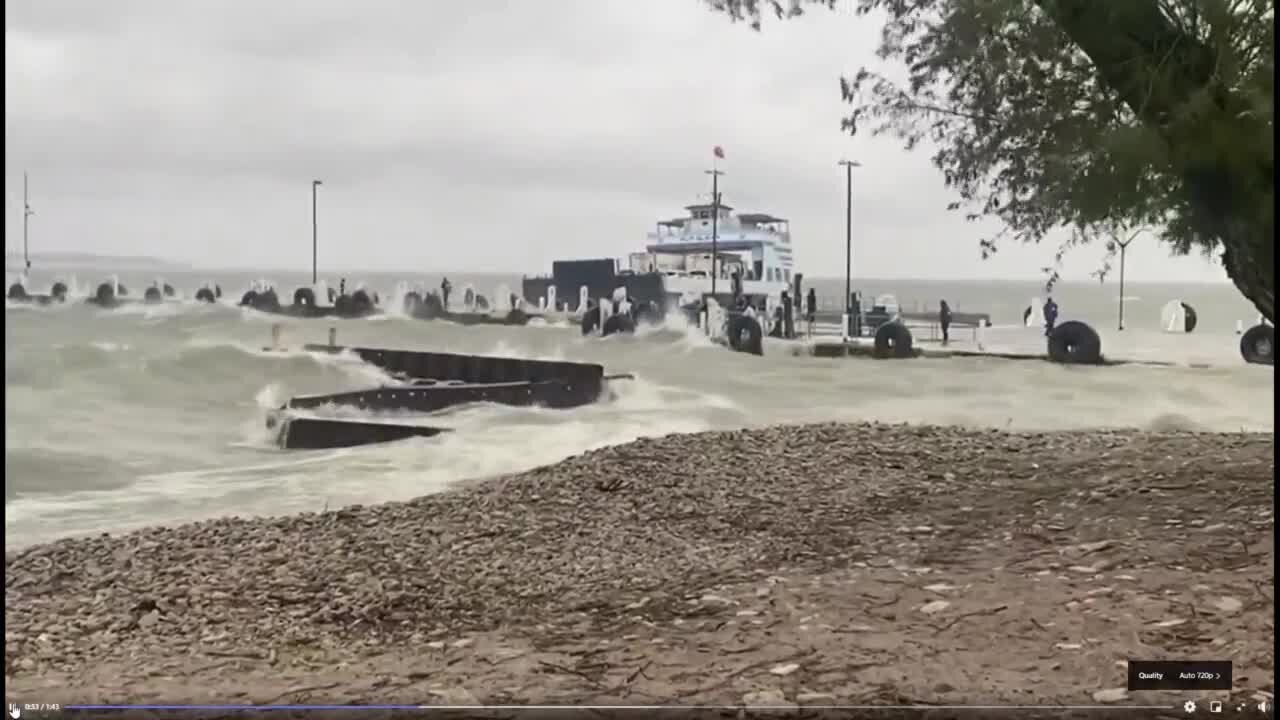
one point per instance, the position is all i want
(1096, 117)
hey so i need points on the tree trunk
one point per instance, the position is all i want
(1158, 70)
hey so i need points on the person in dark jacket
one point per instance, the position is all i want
(1050, 316)
(811, 309)
(944, 319)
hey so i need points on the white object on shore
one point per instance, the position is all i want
(583, 296)
(542, 303)
(333, 335)
(844, 327)
(551, 298)
(1173, 316)
(1036, 317)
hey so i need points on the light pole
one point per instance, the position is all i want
(27, 212)
(849, 165)
(715, 225)
(314, 229)
(1124, 245)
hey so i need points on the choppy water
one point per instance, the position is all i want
(143, 415)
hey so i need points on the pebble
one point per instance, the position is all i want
(784, 670)
(934, 607)
(767, 698)
(1111, 695)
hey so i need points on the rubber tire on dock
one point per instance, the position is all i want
(168, 290)
(105, 295)
(305, 297)
(412, 304)
(17, 292)
(481, 303)
(590, 320)
(361, 303)
(1075, 343)
(1189, 318)
(152, 295)
(249, 299)
(517, 317)
(205, 295)
(618, 324)
(58, 291)
(746, 335)
(893, 340)
(122, 291)
(1258, 345)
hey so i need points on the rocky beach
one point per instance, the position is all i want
(793, 565)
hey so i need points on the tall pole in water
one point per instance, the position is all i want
(27, 212)
(849, 165)
(314, 229)
(715, 226)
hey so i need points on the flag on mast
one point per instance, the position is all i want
(718, 152)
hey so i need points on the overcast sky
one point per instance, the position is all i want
(485, 135)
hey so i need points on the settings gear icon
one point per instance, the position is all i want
(1189, 706)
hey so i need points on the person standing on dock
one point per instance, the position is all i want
(944, 320)
(811, 309)
(445, 288)
(1050, 316)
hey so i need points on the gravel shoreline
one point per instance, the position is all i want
(885, 562)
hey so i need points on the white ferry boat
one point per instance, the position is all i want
(749, 254)
(753, 249)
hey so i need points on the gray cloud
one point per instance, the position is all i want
(485, 135)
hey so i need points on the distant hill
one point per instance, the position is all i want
(52, 261)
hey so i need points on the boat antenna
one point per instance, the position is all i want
(715, 174)
(27, 212)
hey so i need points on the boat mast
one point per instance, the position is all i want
(715, 219)
(27, 212)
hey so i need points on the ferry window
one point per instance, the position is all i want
(787, 275)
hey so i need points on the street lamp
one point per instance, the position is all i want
(1124, 245)
(314, 229)
(849, 165)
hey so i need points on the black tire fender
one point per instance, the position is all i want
(893, 340)
(205, 295)
(305, 297)
(746, 334)
(618, 324)
(1075, 343)
(105, 294)
(1258, 345)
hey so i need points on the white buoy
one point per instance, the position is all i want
(583, 296)
(606, 309)
(1173, 317)
(1036, 317)
(115, 285)
(551, 299)
(620, 294)
(333, 336)
(844, 327)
